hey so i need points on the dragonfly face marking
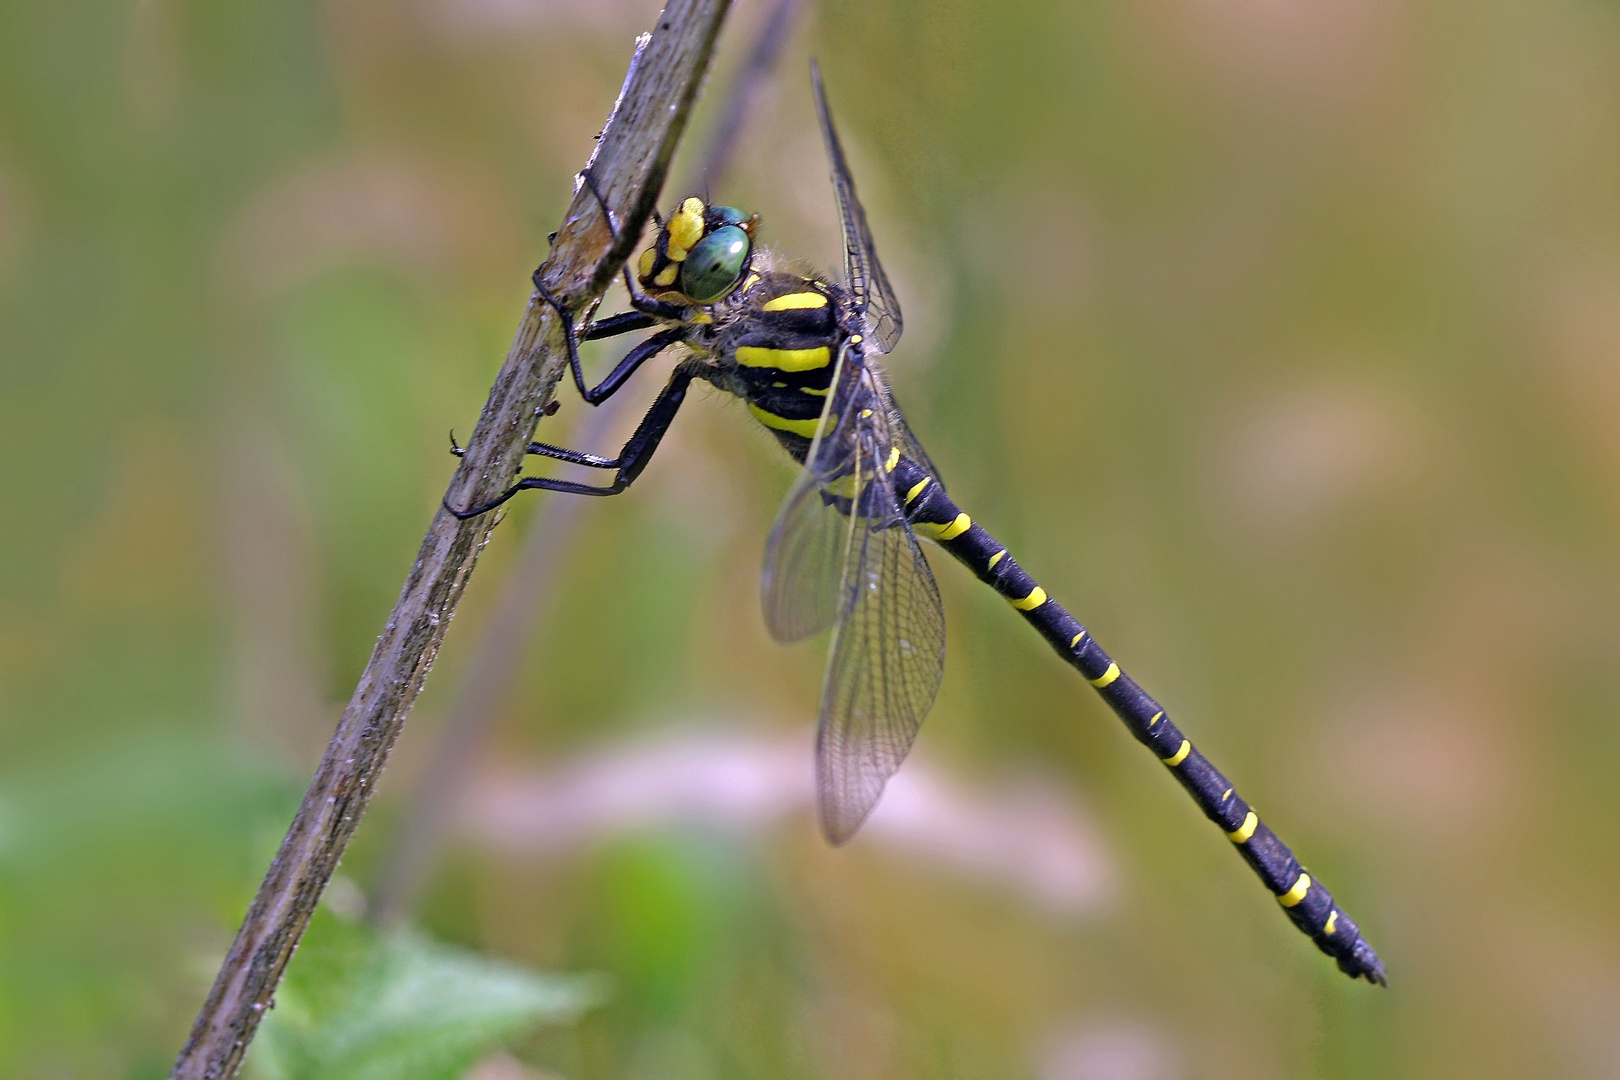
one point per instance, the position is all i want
(700, 255)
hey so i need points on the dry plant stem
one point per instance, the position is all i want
(628, 169)
(526, 593)
(525, 599)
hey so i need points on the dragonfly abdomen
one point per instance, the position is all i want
(1305, 900)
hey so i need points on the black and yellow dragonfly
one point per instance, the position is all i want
(844, 554)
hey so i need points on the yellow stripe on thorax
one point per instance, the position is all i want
(807, 428)
(795, 302)
(782, 359)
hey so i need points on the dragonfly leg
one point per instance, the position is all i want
(606, 388)
(625, 322)
(641, 319)
(625, 368)
(633, 458)
(639, 300)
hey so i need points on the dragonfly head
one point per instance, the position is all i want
(700, 254)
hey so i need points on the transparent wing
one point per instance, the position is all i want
(888, 655)
(863, 274)
(804, 558)
(841, 554)
(804, 565)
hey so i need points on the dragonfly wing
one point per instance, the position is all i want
(804, 563)
(888, 655)
(804, 558)
(863, 274)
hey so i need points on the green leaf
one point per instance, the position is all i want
(360, 1006)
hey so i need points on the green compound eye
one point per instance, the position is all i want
(713, 267)
(727, 215)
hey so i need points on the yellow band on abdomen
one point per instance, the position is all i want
(1036, 597)
(944, 530)
(1297, 893)
(1241, 834)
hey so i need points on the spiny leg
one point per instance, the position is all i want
(609, 386)
(625, 368)
(625, 322)
(1306, 901)
(633, 458)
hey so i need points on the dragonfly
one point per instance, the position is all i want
(803, 354)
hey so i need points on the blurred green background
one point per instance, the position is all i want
(1279, 338)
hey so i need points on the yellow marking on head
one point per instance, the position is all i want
(1156, 718)
(782, 359)
(1076, 639)
(1036, 597)
(807, 428)
(1106, 677)
(917, 489)
(944, 530)
(812, 391)
(1293, 896)
(685, 228)
(1241, 834)
(894, 459)
(667, 275)
(1333, 921)
(1180, 755)
(648, 259)
(795, 301)
(997, 557)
